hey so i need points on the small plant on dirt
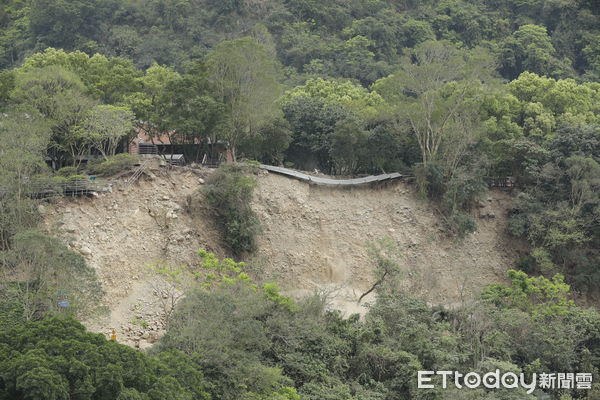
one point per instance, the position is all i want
(229, 193)
(115, 164)
(385, 254)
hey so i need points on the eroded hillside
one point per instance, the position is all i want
(313, 238)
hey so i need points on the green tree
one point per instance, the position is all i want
(59, 95)
(42, 383)
(243, 75)
(436, 93)
(39, 271)
(385, 255)
(530, 49)
(190, 110)
(339, 93)
(106, 79)
(227, 327)
(57, 359)
(25, 136)
(229, 193)
(348, 143)
(151, 103)
(313, 122)
(105, 126)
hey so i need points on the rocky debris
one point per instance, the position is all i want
(487, 210)
(85, 251)
(124, 232)
(312, 238)
(315, 237)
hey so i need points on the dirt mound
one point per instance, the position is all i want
(313, 238)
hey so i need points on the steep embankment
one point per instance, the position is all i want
(123, 232)
(313, 239)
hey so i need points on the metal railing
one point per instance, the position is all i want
(49, 188)
(328, 181)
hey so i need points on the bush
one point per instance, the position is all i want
(115, 164)
(461, 224)
(67, 171)
(455, 195)
(48, 271)
(229, 192)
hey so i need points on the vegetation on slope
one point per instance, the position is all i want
(455, 92)
(235, 340)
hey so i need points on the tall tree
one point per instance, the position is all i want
(106, 125)
(59, 95)
(24, 136)
(435, 93)
(243, 74)
(151, 103)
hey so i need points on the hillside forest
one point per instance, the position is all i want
(457, 95)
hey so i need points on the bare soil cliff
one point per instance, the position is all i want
(313, 239)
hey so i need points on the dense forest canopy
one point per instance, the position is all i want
(363, 40)
(457, 94)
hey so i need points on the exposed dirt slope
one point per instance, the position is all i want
(123, 232)
(313, 239)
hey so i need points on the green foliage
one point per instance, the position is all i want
(229, 356)
(555, 212)
(344, 94)
(59, 95)
(184, 70)
(456, 195)
(348, 144)
(105, 126)
(114, 165)
(271, 142)
(529, 49)
(229, 193)
(536, 295)
(25, 136)
(384, 254)
(39, 271)
(107, 79)
(243, 74)
(313, 122)
(57, 359)
(561, 333)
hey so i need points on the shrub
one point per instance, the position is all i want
(67, 171)
(115, 164)
(461, 224)
(48, 272)
(57, 359)
(455, 195)
(229, 192)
